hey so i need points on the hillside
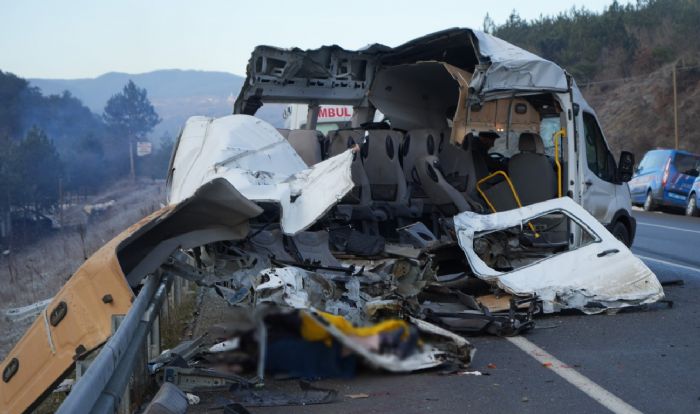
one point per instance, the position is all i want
(175, 94)
(38, 271)
(637, 114)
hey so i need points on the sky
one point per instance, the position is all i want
(86, 38)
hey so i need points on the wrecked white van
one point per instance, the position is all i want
(476, 133)
(446, 88)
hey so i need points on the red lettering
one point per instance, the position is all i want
(334, 112)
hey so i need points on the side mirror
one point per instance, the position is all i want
(625, 168)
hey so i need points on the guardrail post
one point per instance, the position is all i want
(177, 288)
(171, 300)
(82, 365)
(165, 309)
(125, 402)
(154, 339)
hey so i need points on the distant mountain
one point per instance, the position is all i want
(176, 94)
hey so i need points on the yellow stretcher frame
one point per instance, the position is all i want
(559, 135)
(512, 189)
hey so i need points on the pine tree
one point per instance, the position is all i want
(130, 114)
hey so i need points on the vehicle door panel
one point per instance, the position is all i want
(598, 171)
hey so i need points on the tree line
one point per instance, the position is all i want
(54, 146)
(621, 41)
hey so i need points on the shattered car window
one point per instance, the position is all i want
(548, 127)
(533, 240)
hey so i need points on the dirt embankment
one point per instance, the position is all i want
(38, 271)
(637, 113)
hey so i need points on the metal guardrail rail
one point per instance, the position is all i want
(102, 386)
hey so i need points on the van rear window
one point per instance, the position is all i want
(685, 162)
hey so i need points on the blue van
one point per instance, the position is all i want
(664, 178)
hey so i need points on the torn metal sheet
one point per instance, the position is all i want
(596, 276)
(295, 288)
(168, 400)
(354, 296)
(199, 379)
(254, 158)
(183, 351)
(460, 312)
(498, 66)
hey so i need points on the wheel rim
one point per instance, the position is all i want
(647, 202)
(691, 207)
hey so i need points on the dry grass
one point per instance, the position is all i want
(177, 320)
(38, 271)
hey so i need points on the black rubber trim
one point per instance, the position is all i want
(10, 370)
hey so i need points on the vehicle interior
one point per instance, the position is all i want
(418, 165)
(437, 152)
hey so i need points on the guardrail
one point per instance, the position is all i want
(104, 384)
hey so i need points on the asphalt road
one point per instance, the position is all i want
(644, 360)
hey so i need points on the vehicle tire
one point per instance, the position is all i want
(621, 233)
(649, 204)
(692, 207)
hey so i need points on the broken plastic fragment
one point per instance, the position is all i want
(229, 345)
(356, 396)
(192, 399)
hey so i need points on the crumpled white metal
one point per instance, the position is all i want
(251, 155)
(577, 279)
(513, 68)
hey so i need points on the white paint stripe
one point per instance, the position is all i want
(694, 269)
(48, 331)
(667, 227)
(590, 388)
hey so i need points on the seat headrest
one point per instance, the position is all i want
(304, 134)
(529, 142)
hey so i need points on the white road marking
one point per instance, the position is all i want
(590, 388)
(694, 269)
(639, 223)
